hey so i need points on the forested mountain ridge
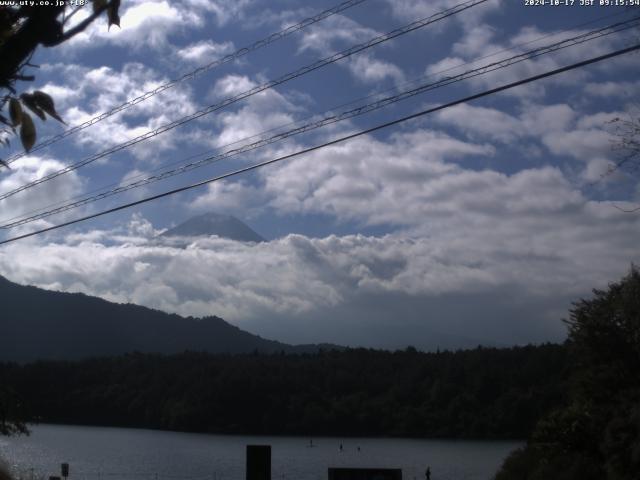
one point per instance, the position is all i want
(481, 393)
(41, 324)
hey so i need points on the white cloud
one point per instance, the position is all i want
(339, 32)
(225, 11)
(481, 121)
(372, 181)
(619, 89)
(98, 90)
(231, 85)
(479, 43)
(205, 51)
(259, 113)
(475, 42)
(240, 198)
(512, 249)
(144, 24)
(334, 33)
(414, 9)
(26, 170)
(563, 131)
(152, 23)
(368, 69)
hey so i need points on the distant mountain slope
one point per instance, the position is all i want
(41, 324)
(225, 226)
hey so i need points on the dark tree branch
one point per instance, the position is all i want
(81, 26)
(39, 27)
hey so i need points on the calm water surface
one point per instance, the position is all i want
(97, 453)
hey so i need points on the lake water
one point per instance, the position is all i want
(97, 453)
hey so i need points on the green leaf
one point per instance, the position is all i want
(27, 132)
(30, 102)
(45, 102)
(15, 111)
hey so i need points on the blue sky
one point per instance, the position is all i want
(477, 224)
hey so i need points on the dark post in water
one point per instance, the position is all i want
(365, 474)
(258, 462)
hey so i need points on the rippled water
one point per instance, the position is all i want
(97, 453)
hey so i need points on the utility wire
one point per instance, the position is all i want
(274, 37)
(327, 120)
(333, 109)
(260, 88)
(333, 142)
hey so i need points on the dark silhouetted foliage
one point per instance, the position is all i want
(481, 393)
(596, 435)
(12, 415)
(24, 26)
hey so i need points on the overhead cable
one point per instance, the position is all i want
(253, 91)
(262, 134)
(274, 37)
(330, 119)
(332, 142)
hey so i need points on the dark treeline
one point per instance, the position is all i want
(595, 433)
(481, 393)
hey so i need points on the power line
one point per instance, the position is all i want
(274, 37)
(260, 88)
(333, 142)
(333, 109)
(327, 120)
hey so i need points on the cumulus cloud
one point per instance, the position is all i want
(26, 170)
(205, 51)
(240, 198)
(585, 137)
(224, 11)
(259, 113)
(414, 9)
(368, 180)
(335, 33)
(151, 24)
(339, 32)
(514, 277)
(478, 47)
(145, 24)
(612, 89)
(368, 69)
(98, 90)
(481, 256)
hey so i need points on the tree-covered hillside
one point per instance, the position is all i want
(39, 324)
(482, 393)
(595, 434)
